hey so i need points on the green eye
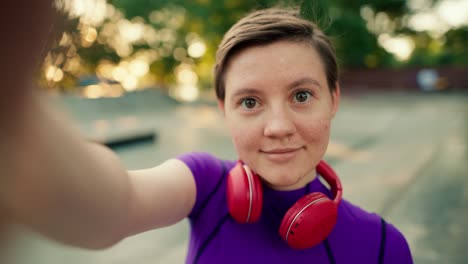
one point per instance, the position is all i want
(249, 103)
(302, 96)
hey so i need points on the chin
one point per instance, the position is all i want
(283, 180)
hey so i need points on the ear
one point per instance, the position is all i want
(336, 99)
(221, 106)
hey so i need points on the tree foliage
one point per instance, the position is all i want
(169, 27)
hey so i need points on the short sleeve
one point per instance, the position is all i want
(397, 250)
(208, 172)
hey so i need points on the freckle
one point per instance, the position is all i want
(326, 125)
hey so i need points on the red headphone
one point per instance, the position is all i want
(307, 223)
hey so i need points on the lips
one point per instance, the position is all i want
(281, 155)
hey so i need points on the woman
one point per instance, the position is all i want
(276, 80)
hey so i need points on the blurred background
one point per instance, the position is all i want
(110, 48)
(136, 75)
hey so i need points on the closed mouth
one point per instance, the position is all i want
(280, 150)
(281, 155)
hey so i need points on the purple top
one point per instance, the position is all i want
(358, 236)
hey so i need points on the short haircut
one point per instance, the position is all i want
(266, 26)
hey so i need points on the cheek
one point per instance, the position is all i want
(243, 136)
(318, 132)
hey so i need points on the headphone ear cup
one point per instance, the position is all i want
(244, 194)
(309, 221)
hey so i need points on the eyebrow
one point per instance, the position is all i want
(305, 80)
(294, 84)
(246, 91)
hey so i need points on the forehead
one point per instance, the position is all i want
(273, 64)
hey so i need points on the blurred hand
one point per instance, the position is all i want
(26, 29)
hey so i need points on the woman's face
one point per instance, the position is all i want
(279, 108)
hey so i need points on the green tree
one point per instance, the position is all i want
(153, 39)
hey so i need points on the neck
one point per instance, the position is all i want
(299, 184)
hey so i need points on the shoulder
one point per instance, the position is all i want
(369, 235)
(197, 161)
(355, 215)
(209, 174)
(396, 248)
(356, 234)
(205, 167)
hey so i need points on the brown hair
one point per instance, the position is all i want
(269, 25)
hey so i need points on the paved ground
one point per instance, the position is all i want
(404, 156)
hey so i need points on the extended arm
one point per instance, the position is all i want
(78, 192)
(54, 181)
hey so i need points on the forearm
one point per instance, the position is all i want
(59, 184)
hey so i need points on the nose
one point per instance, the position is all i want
(279, 124)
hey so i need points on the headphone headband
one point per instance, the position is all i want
(332, 179)
(330, 176)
